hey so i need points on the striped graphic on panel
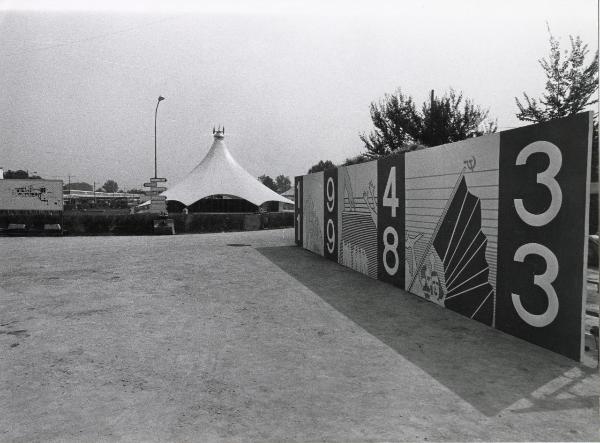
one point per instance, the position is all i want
(359, 243)
(425, 204)
(358, 239)
(451, 229)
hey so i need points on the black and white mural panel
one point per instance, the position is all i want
(493, 228)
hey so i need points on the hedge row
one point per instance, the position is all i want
(82, 223)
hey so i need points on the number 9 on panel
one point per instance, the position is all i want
(330, 228)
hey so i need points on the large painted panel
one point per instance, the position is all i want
(544, 174)
(357, 186)
(312, 212)
(493, 228)
(452, 225)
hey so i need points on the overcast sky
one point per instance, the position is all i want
(291, 81)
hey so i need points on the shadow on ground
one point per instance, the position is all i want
(485, 367)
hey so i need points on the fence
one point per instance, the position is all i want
(82, 223)
(494, 228)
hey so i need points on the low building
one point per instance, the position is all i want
(290, 195)
(76, 199)
(30, 204)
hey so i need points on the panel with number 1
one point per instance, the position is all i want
(298, 216)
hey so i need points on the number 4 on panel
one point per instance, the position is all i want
(390, 189)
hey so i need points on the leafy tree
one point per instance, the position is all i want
(80, 186)
(399, 125)
(570, 88)
(110, 186)
(268, 182)
(360, 158)
(321, 166)
(19, 173)
(282, 183)
(570, 84)
(136, 191)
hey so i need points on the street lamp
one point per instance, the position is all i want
(160, 98)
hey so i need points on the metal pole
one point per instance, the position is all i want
(160, 98)
(155, 114)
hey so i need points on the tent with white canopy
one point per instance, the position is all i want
(219, 174)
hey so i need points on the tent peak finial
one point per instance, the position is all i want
(219, 132)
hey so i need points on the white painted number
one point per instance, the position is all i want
(330, 236)
(330, 195)
(544, 281)
(390, 189)
(298, 203)
(545, 178)
(393, 248)
(330, 188)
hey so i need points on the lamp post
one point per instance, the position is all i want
(160, 98)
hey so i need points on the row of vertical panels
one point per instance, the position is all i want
(493, 228)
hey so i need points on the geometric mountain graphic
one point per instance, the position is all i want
(460, 245)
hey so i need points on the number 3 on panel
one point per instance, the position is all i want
(544, 281)
(545, 178)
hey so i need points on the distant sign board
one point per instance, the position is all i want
(493, 228)
(31, 195)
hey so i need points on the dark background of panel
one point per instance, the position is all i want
(385, 219)
(330, 215)
(564, 235)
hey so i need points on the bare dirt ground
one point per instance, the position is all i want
(185, 338)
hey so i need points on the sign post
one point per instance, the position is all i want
(158, 205)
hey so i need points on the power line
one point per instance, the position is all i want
(85, 40)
